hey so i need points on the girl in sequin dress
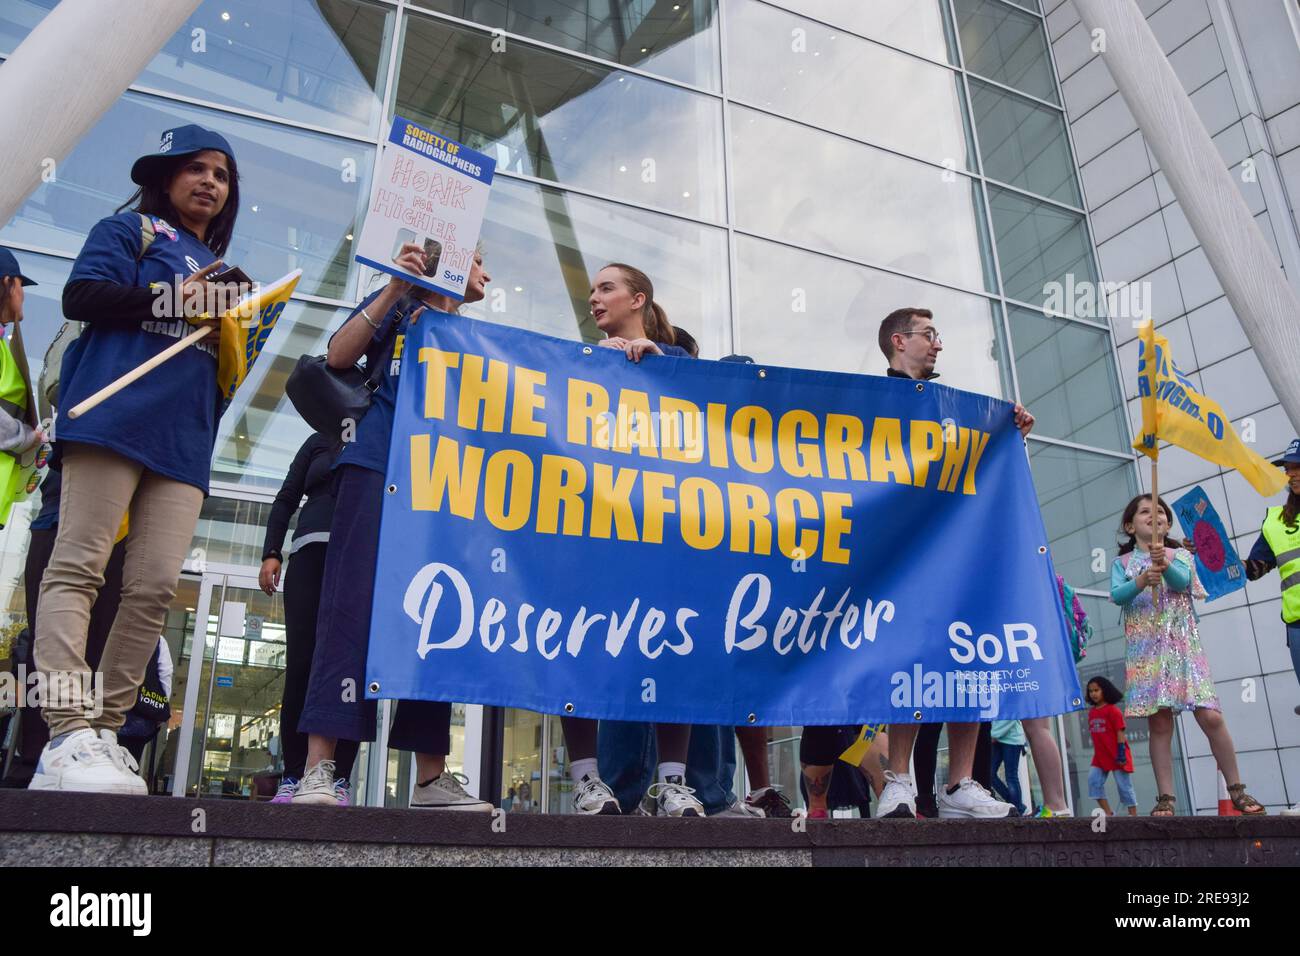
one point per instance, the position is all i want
(1166, 668)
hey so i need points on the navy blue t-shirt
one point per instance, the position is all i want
(166, 420)
(375, 430)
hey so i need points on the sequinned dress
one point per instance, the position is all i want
(1166, 666)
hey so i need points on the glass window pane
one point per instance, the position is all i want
(679, 41)
(1038, 244)
(1024, 143)
(563, 119)
(856, 201)
(314, 61)
(300, 193)
(841, 83)
(1068, 379)
(912, 25)
(1006, 45)
(521, 762)
(542, 246)
(1082, 496)
(260, 432)
(803, 310)
(231, 531)
(18, 18)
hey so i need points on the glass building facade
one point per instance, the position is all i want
(787, 172)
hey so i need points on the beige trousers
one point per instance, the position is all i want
(99, 486)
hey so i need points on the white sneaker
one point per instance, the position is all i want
(317, 786)
(970, 801)
(897, 801)
(86, 762)
(594, 798)
(1292, 811)
(447, 792)
(741, 810)
(125, 761)
(670, 799)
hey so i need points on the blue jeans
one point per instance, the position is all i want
(629, 761)
(1123, 780)
(1007, 755)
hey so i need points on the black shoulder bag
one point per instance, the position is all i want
(327, 398)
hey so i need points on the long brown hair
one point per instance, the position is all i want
(1290, 510)
(1126, 546)
(653, 317)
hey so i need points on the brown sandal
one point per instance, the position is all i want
(1164, 806)
(1244, 802)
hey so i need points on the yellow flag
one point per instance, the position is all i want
(1173, 411)
(859, 748)
(245, 329)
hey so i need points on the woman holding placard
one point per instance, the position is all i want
(336, 707)
(145, 451)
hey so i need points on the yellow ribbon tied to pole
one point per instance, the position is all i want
(1174, 411)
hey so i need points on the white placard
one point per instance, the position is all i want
(430, 191)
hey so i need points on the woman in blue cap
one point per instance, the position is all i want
(1278, 546)
(145, 451)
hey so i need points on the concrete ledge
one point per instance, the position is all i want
(96, 829)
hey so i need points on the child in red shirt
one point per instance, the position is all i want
(1110, 749)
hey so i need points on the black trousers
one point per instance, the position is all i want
(302, 584)
(343, 630)
(925, 757)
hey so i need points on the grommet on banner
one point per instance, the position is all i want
(916, 715)
(392, 489)
(374, 687)
(568, 708)
(1077, 702)
(752, 718)
(586, 350)
(762, 373)
(1042, 549)
(920, 386)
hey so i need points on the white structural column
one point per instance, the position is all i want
(1238, 253)
(66, 75)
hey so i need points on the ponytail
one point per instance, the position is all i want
(657, 327)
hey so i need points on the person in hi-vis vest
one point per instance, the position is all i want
(19, 435)
(1278, 546)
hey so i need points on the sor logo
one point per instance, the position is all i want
(451, 276)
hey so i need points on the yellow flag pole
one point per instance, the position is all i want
(1156, 511)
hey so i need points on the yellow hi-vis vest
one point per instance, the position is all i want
(1286, 549)
(15, 473)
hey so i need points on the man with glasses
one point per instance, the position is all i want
(912, 344)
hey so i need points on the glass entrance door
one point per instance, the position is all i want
(229, 740)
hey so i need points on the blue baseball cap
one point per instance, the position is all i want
(1292, 454)
(181, 141)
(9, 267)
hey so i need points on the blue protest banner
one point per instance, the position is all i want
(1217, 565)
(703, 542)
